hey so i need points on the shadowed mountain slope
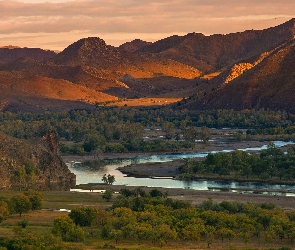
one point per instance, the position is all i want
(268, 83)
(8, 54)
(216, 52)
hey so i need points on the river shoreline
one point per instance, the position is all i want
(196, 197)
(169, 168)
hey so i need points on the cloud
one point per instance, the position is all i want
(148, 17)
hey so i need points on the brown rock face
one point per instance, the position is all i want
(51, 138)
(33, 165)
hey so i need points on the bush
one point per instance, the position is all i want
(23, 223)
(108, 194)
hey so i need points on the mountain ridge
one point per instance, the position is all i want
(89, 71)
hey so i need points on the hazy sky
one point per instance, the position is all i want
(55, 24)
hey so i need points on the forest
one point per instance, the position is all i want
(112, 129)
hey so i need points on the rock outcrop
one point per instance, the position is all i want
(33, 165)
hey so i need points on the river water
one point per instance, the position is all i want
(93, 174)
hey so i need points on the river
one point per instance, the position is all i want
(94, 174)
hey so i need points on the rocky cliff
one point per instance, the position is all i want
(33, 165)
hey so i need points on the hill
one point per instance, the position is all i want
(33, 164)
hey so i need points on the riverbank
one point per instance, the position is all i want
(169, 169)
(196, 197)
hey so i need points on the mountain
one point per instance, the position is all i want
(33, 164)
(268, 83)
(91, 71)
(134, 45)
(216, 52)
(11, 53)
(206, 68)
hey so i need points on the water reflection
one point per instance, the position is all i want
(92, 172)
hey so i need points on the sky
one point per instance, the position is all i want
(55, 24)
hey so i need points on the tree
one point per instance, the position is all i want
(209, 234)
(35, 198)
(21, 204)
(107, 195)
(75, 234)
(162, 233)
(116, 234)
(156, 193)
(205, 134)
(108, 179)
(62, 225)
(226, 233)
(93, 142)
(190, 134)
(83, 216)
(4, 210)
(168, 128)
(65, 227)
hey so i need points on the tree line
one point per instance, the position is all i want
(270, 164)
(20, 203)
(141, 217)
(112, 129)
(151, 217)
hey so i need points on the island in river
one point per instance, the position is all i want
(170, 169)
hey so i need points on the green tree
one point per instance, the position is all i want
(168, 128)
(65, 227)
(209, 234)
(190, 134)
(75, 234)
(35, 199)
(226, 233)
(107, 195)
(108, 179)
(162, 233)
(116, 234)
(155, 193)
(4, 210)
(205, 134)
(93, 142)
(21, 204)
(62, 225)
(83, 216)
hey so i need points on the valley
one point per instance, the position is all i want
(214, 114)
